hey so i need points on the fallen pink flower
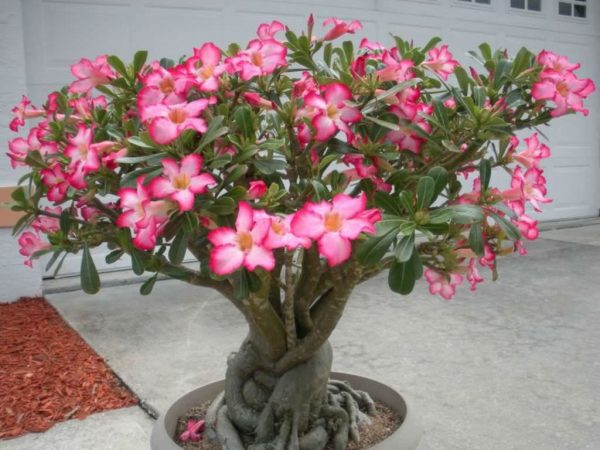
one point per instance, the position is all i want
(193, 431)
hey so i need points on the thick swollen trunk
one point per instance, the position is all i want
(300, 409)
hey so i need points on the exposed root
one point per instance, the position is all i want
(300, 410)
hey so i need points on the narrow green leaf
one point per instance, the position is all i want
(374, 248)
(511, 231)
(432, 43)
(405, 248)
(139, 59)
(53, 259)
(388, 203)
(137, 261)
(440, 176)
(402, 276)
(476, 239)
(215, 130)
(425, 192)
(135, 140)
(178, 247)
(485, 173)
(90, 281)
(244, 119)
(116, 63)
(235, 174)
(114, 256)
(146, 288)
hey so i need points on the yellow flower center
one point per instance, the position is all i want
(83, 150)
(206, 72)
(277, 227)
(245, 241)
(177, 115)
(181, 181)
(167, 85)
(562, 88)
(333, 221)
(256, 59)
(332, 111)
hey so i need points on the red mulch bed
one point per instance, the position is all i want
(48, 374)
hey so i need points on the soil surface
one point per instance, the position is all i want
(48, 373)
(383, 425)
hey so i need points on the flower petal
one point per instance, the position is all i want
(259, 256)
(335, 248)
(225, 259)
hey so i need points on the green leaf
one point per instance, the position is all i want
(463, 79)
(244, 119)
(425, 192)
(53, 259)
(406, 200)
(116, 63)
(405, 248)
(215, 130)
(486, 51)
(269, 166)
(146, 288)
(114, 256)
(135, 140)
(485, 173)
(402, 276)
(463, 214)
(511, 231)
(432, 43)
(223, 206)
(440, 176)
(90, 281)
(137, 261)
(388, 203)
(235, 174)
(178, 247)
(375, 247)
(319, 189)
(65, 221)
(241, 284)
(139, 59)
(131, 177)
(476, 239)
(521, 62)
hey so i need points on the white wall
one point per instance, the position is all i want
(16, 279)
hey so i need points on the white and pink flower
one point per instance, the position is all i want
(31, 243)
(533, 154)
(331, 112)
(242, 246)
(335, 224)
(441, 61)
(90, 74)
(48, 224)
(406, 138)
(205, 67)
(19, 148)
(57, 182)
(340, 28)
(441, 284)
(169, 121)
(22, 112)
(182, 181)
(396, 69)
(260, 58)
(162, 86)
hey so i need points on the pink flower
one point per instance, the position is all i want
(371, 45)
(205, 67)
(335, 224)
(331, 112)
(182, 181)
(162, 86)
(489, 257)
(532, 185)
(267, 31)
(257, 189)
(260, 58)
(533, 154)
(439, 284)
(19, 148)
(553, 62)
(406, 138)
(473, 276)
(31, 243)
(84, 156)
(396, 69)
(47, 224)
(243, 246)
(143, 216)
(84, 106)
(192, 431)
(280, 234)
(20, 113)
(441, 61)
(57, 181)
(257, 101)
(565, 90)
(305, 85)
(527, 226)
(340, 28)
(169, 121)
(90, 74)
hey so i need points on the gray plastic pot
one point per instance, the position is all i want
(406, 437)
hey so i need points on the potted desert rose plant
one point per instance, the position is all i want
(292, 171)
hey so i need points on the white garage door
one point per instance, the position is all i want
(59, 32)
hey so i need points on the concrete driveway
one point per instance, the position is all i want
(515, 366)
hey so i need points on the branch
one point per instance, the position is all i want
(306, 288)
(288, 303)
(370, 272)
